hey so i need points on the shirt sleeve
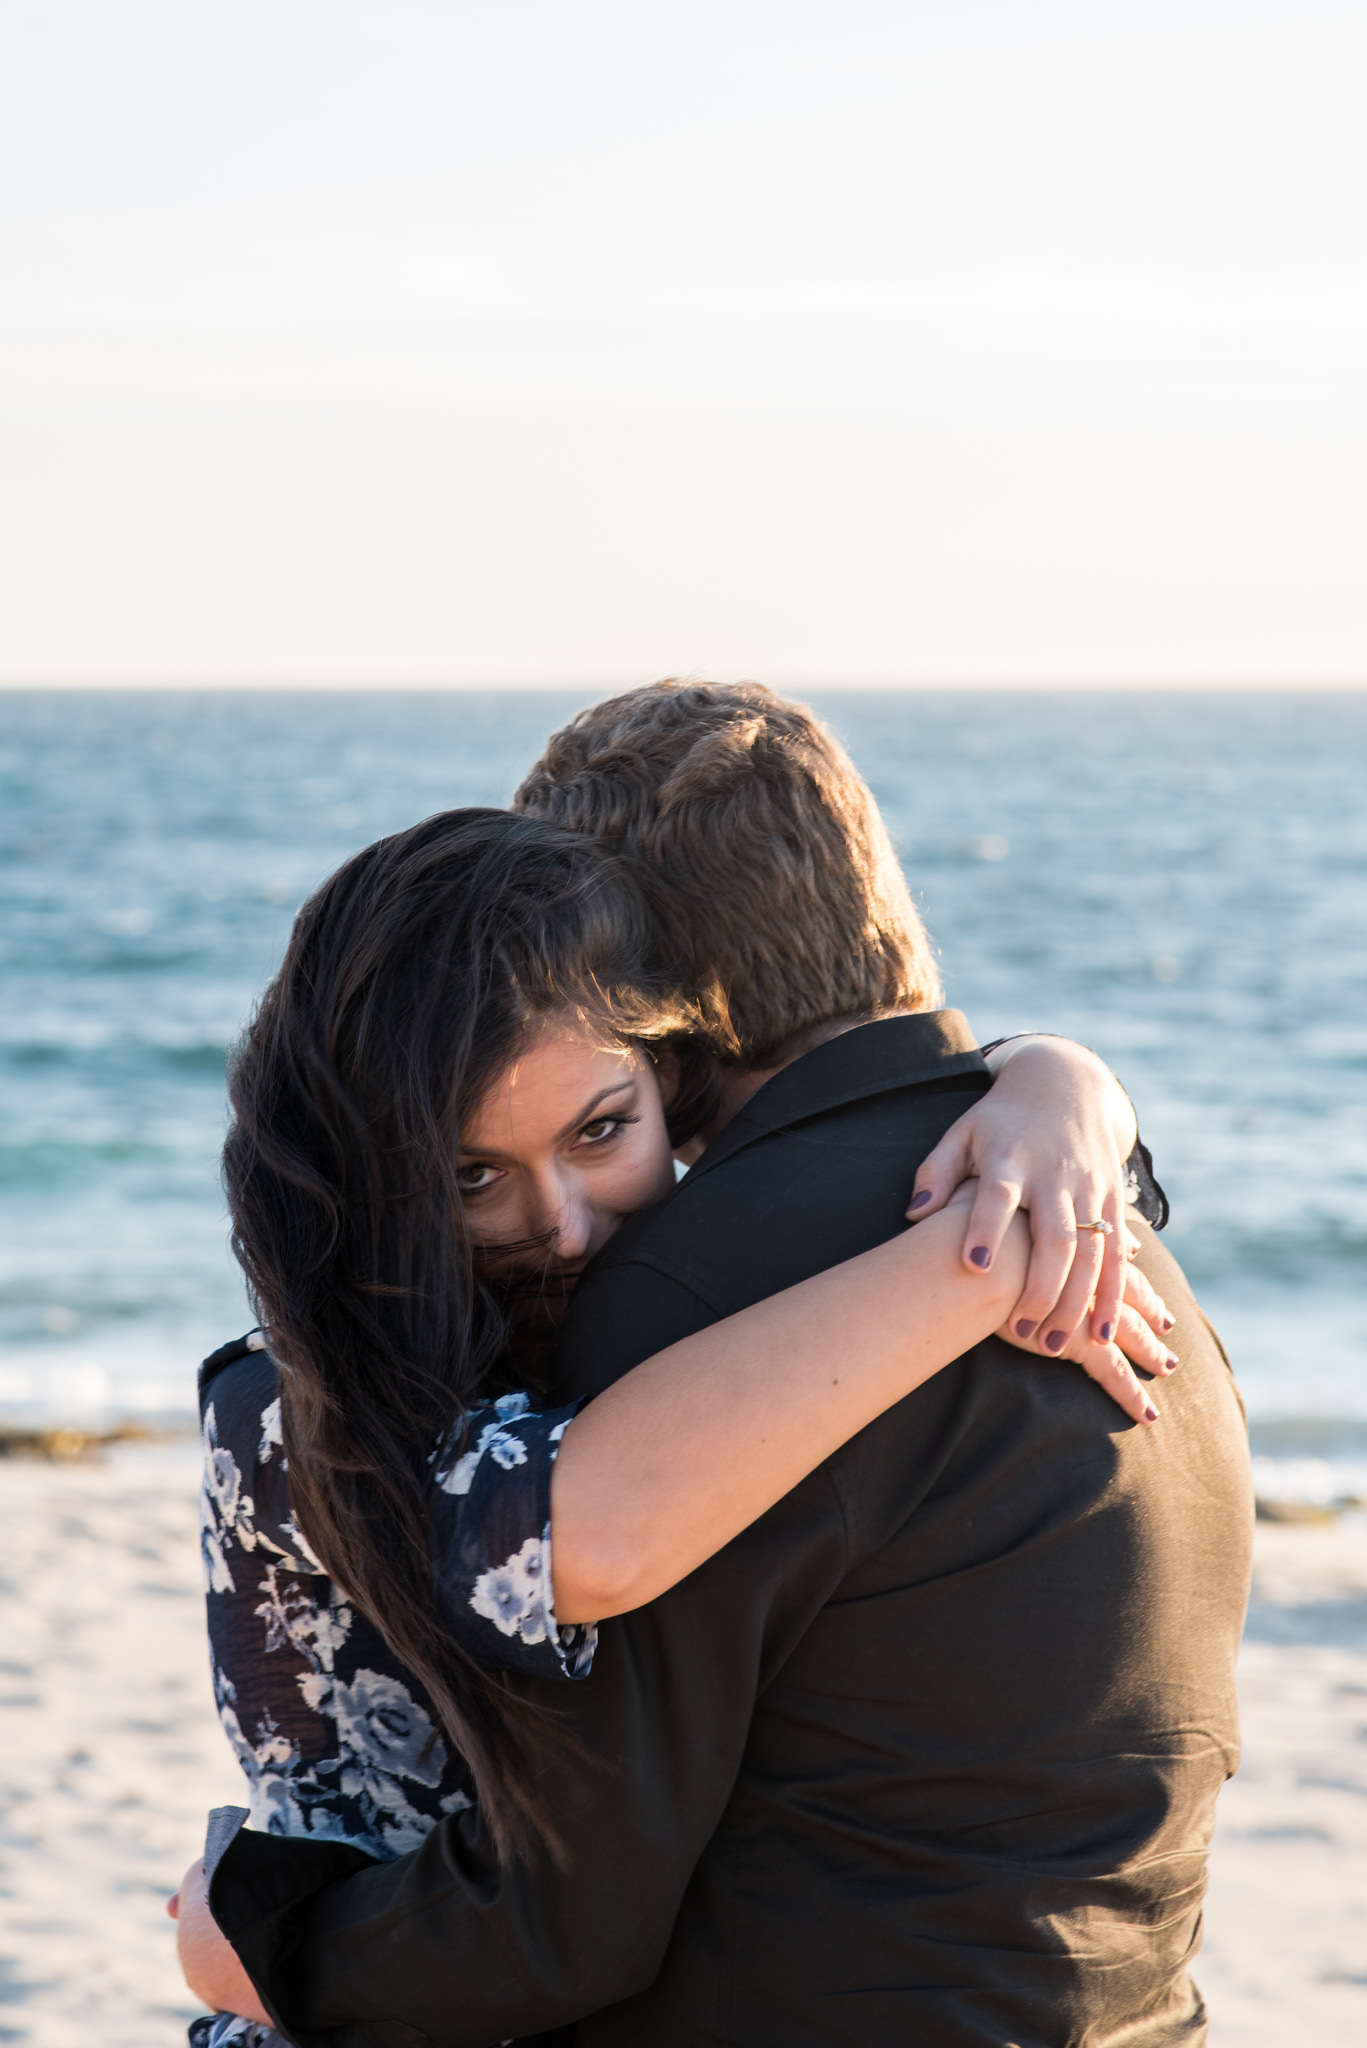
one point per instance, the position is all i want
(492, 1511)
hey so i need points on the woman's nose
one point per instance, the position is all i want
(571, 1218)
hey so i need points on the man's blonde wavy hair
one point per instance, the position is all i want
(776, 896)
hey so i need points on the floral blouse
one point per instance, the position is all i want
(336, 1739)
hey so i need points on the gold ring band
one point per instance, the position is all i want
(1106, 1229)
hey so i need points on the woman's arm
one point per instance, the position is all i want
(680, 1455)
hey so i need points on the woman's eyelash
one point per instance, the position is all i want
(468, 1187)
(615, 1121)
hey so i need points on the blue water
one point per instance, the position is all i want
(1180, 881)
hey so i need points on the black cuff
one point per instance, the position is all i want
(258, 1885)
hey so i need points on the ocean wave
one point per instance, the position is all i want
(1302, 1249)
(1181, 887)
(51, 1164)
(97, 1386)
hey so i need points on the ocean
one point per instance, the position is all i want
(1179, 880)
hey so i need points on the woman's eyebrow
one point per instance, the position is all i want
(595, 1102)
(493, 1153)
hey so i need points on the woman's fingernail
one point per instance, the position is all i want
(1105, 1333)
(1151, 1413)
(1167, 1323)
(1025, 1328)
(1056, 1340)
(981, 1256)
(1173, 1360)
(919, 1201)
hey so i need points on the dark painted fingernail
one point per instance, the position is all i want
(1025, 1328)
(1167, 1324)
(1056, 1340)
(919, 1201)
(981, 1256)
(1106, 1331)
(1151, 1413)
(1173, 1360)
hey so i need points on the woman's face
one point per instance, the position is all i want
(568, 1141)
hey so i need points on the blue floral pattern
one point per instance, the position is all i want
(336, 1740)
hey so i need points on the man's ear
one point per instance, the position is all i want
(690, 1082)
(669, 1071)
(669, 1074)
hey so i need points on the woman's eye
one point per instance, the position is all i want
(602, 1127)
(472, 1180)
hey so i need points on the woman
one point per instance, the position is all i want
(464, 1077)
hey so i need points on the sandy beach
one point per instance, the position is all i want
(1285, 1958)
(112, 1754)
(112, 1749)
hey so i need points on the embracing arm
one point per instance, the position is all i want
(677, 1457)
(671, 1462)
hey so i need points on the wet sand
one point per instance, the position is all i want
(112, 1755)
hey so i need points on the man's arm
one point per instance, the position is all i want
(464, 1952)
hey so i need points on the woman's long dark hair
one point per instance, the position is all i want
(410, 979)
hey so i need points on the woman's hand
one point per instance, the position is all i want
(1141, 1316)
(1051, 1136)
(208, 1960)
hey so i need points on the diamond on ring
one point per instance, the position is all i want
(1106, 1229)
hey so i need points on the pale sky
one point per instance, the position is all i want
(560, 340)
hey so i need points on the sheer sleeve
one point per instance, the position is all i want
(492, 1509)
(337, 1739)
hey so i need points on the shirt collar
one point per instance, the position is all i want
(891, 1052)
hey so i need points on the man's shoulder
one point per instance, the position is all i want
(815, 1169)
(927, 1050)
(833, 1141)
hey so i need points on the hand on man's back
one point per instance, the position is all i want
(1045, 1089)
(208, 1960)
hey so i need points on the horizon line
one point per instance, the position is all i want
(461, 685)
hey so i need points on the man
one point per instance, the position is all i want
(928, 1755)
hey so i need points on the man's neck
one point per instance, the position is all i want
(740, 1083)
